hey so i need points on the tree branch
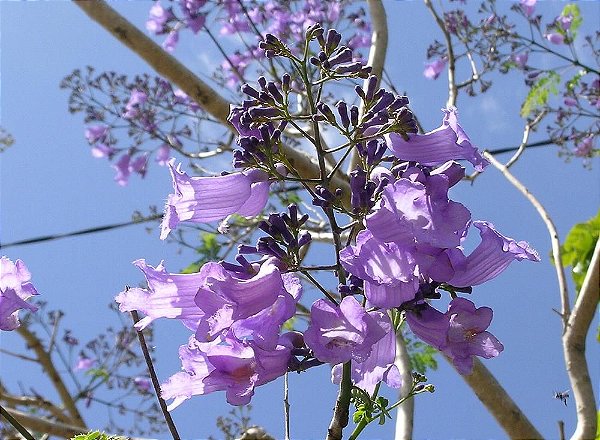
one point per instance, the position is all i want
(377, 53)
(40, 424)
(574, 349)
(48, 365)
(168, 67)
(497, 401)
(556, 253)
(406, 411)
(35, 402)
(452, 89)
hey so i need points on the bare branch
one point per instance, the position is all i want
(40, 424)
(35, 402)
(574, 349)
(497, 401)
(171, 69)
(526, 132)
(377, 53)
(556, 254)
(452, 88)
(48, 365)
(406, 411)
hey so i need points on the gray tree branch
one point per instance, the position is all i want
(406, 410)
(574, 338)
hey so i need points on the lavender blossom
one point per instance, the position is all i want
(206, 199)
(555, 38)
(15, 289)
(448, 142)
(489, 259)
(459, 333)
(84, 363)
(169, 295)
(337, 334)
(434, 68)
(136, 100)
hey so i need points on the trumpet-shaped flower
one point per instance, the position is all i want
(337, 334)
(448, 142)
(15, 289)
(206, 199)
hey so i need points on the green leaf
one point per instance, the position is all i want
(98, 372)
(578, 248)
(540, 92)
(208, 250)
(573, 10)
(97, 435)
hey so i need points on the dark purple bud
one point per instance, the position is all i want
(358, 180)
(399, 102)
(313, 31)
(342, 109)
(322, 57)
(249, 90)
(263, 112)
(332, 41)
(349, 68)
(304, 239)
(246, 249)
(286, 79)
(293, 210)
(262, 82)
(326, 111)
(343, 56)
(354, 115)
(360, 92)
(314, 61)
(385, 101)
(264, 97)
(371, 87)
(364, 72)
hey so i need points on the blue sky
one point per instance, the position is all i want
(50, 183)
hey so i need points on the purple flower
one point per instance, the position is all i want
(171, 41)
(139, 164)
(123, 170)
(528, 6)
(143, 384)
(490, 257)
(84, 363)
(95, 133)
(102, 150)
(159, 17)
(555, 38)
(565, 22)
(585, 147)
(162, 155)
(411, 212)
(236, 367)
(459, 333)
(206, 199)
(388, 270)
(337, 334)
(570, 102)
(520, 59)
(169, 295)
(225, 297)
(136, 100)
(434, 68)
(379, 365)
(448, 142)
(15, 289)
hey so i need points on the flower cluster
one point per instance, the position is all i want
(404, 242)
(15, 290)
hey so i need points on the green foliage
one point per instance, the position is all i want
(97, 435)
(573, 10)
(422, 355)
(99, 373)
(366, 407)
(578, 248)
(547, 83)
(208, 250)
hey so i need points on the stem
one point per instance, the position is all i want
(155, 383)
(286, 406)
(16, 424)
(342, 405)
(406, 411)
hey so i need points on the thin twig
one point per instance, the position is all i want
(526, 132)
(406, 411)
(22, 430)
(154, 378)
(554, 238)
(286, 406)
(48, 365)
(561, 430)
(574, 338)
(37, 402)
(452, 89)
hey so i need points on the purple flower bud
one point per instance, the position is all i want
(343, 56)
(342, 109)
(371, 88)
(555, 38)
(354, 115)
(434, 68)
(349, 68)
(332, 40)
(249, 90)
